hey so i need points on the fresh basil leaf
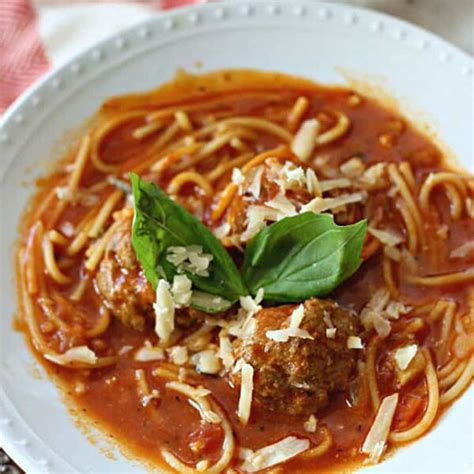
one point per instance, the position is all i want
(302, 256)
(209, 303)
(160, 223)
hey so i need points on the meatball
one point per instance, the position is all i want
(120, 279)
(122, 284)
(299, 376)
(284, 181)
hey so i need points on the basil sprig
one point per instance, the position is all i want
(160, 223)
(302, 256)
(292, 260)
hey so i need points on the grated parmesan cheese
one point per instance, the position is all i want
(319, 204)
(292, 176)
(353, 168)
(404, 355)
(311, 424)
(337, 183)
(304, 142)
(164, 311)
(207, 362)
(273, 454)
(237, 176)
(374, 177)
(380, 310)
(312, 183)
(181, 290)
(354, 342)
(245, 324)
(386, 236)
(376, 438)
(256, 182)
(79, 354)
(396, 308)
(190, 258)
(225, 352)
(283, 206)
(297, 316)
(124, 350)
(256, 219)
(221, 231)
(148, 353)
(282, 335)
(67, 229)
(178, 355)
(246, 393)
(153, 395)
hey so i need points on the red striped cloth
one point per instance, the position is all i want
(22, 55)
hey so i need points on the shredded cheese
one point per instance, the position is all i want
(207, 362)
(178, 355)
(237, 176)
(337, 183)
(246, 393)
(297, 316)
(245, 325)
(374, 177)
(153, 395)
(273, 454)
(283, 335)
(79, 354)
(404, 355)
(190, 258)
(386, 236)
(225, 352)
(181, 290)
(304, 142)
(352, 168)
(292, 176)
(221, 231)
(376, 438)
(312, 183)
(256, 219)
(319, 204)
(354, 342)
(283, 206)
(256, 182)
(148, 353)
(164, 311)
(311, 424)
(380, 310)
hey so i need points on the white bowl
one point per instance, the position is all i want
(310, 39)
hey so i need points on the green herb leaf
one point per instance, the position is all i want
(160, 223)
(302, 256)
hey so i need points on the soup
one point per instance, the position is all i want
(246, 271)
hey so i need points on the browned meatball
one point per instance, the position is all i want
(298, 376)
(123, 287)
(270, 187)
(120, 279)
